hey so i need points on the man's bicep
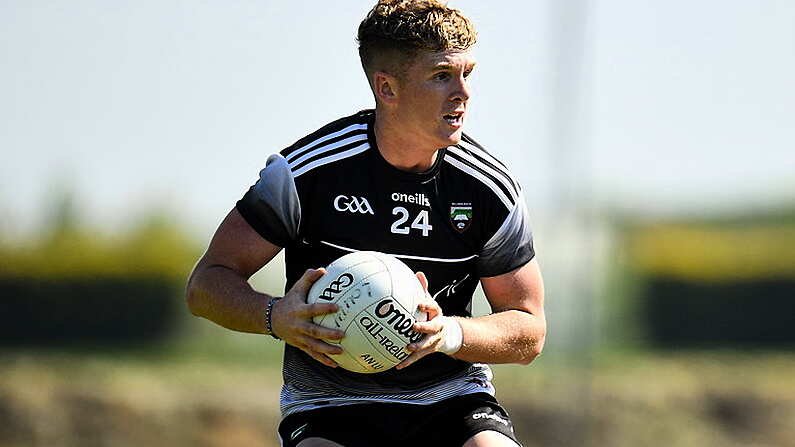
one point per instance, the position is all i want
(520, 289)
(237, 246)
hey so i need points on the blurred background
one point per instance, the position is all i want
(654, 141)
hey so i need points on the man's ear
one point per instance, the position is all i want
(385, 87)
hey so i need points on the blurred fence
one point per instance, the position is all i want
(65, 310)
(720, 283)
(76, 285)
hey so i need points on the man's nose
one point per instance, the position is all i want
(462, 90)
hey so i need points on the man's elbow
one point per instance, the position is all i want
(531, 343)
(191, 301)
(534, 346)
(192, 296)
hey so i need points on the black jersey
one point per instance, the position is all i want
(332, 193)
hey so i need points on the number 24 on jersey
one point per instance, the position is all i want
(421, 222)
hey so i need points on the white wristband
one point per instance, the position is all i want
(453, 335)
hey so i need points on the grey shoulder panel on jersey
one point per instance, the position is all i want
(511, 246)
(271, 206)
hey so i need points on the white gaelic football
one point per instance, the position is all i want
(377, 295)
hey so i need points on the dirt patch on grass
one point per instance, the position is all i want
(74, 400)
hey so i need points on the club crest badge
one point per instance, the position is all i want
(461, 216)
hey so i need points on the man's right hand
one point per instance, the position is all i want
(292, 321)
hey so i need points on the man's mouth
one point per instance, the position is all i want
(455, 119)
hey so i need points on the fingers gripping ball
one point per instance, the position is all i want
(377, 295)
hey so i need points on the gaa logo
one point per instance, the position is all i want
(353, 204)
(336, 286)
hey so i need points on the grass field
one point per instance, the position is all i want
(222, 390)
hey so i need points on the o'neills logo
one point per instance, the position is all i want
(398, 319)
(493, 417)
(418, 197)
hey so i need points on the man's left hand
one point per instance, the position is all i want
(436, 329)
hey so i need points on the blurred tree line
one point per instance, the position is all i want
(74, 283)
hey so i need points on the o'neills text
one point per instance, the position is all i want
(417, 197)
(398, 319)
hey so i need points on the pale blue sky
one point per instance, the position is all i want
(675, 105)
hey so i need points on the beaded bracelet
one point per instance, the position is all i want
(269, 318)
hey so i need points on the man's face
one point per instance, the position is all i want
(433, 97)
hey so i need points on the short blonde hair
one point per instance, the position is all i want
(395, 30)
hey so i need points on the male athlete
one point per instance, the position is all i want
(401, 179)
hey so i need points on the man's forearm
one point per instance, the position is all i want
(511, 336)
(223, 296)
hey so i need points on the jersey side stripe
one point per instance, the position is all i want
(329, 152)
(481, 154)
(315, 143)
(309, 148)
(480, 149)
(488, 169)
(331, 146)
(331, 158)
(506, 189)
(485, 180)
(417, 258)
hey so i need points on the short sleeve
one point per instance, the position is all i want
(511, 246)
(271, 206)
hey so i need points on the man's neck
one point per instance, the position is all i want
(397, 148)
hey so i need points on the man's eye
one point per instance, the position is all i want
(441, 76)
(467, 73)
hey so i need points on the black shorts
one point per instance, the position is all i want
(447, 423)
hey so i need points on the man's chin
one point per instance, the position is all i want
(454, 138)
